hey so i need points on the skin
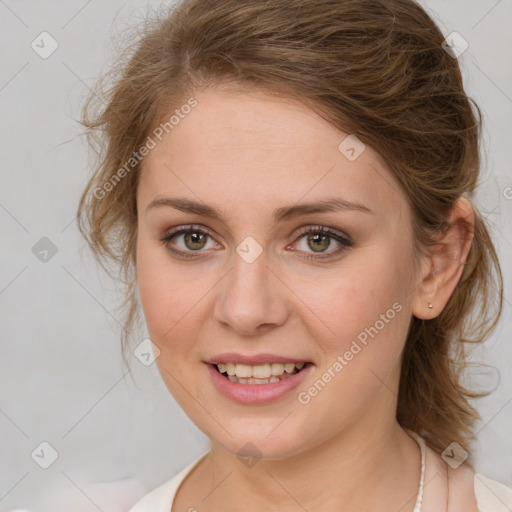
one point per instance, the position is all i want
(247, 154)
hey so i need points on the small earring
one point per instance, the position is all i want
(430, 306)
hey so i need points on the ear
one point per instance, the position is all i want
(444, 264)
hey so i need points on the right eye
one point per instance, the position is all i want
(186, 240)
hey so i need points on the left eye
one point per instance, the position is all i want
(315, 241)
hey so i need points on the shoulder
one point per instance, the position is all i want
(462, 489)
(161, 498)
(474, 491)
(492, 496)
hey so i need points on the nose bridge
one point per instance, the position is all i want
(250, 298)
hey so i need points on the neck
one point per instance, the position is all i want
(372, 468)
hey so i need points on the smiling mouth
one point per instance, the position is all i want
(260, 374)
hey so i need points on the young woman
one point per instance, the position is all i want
(287, 187)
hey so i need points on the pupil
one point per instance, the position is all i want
(197, 240)
(323, 239)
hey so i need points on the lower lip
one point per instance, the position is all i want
(256, 393)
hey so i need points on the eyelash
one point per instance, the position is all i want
(344, 241)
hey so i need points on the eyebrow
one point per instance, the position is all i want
(280, 214)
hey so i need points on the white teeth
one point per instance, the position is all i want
(252, 380)
(277, 368)
(257, 381)
(259, 374)
(289, 367)
(243, 370)
(261, 371)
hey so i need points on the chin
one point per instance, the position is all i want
(267, 438)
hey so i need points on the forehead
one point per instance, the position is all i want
(242, 146)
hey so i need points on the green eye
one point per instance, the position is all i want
(318, 242)
(315, 240)
(194, 240)
(185, 240)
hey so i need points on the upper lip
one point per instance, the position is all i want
(253, 360)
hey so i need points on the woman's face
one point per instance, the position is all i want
(255, 179)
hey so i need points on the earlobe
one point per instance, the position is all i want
(447, 258)
(424, 305)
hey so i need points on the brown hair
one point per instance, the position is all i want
(373, 68)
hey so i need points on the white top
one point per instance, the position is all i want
(491, 495)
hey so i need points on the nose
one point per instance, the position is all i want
(252, 299)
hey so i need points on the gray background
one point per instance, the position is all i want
(62, 381)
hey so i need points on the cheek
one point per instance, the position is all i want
(167, 304)
(162, 293)
(175, 300)
(355, 299)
